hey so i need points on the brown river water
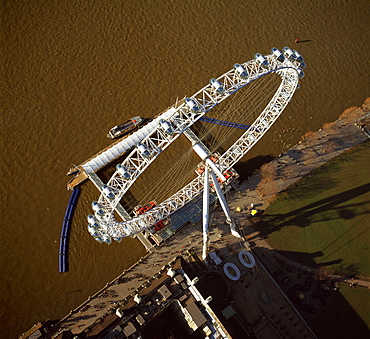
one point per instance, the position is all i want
(70, 70)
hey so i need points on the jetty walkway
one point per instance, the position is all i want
(88, 168)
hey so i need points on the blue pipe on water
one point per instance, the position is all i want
(65, 230)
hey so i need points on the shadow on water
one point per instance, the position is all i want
(299, 41)
(75, 291)
(302, 217)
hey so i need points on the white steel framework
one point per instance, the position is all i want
(289, 69)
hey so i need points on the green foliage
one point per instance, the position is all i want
(323, 221)
(326, 212)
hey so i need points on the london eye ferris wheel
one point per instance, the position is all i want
(214, 128)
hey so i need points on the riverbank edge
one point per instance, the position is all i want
(311, 152)
(257, 191)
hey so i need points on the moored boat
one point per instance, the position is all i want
(126, 127)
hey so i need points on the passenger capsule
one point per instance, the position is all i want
(192, 104)
(99, 239)
(166, 126)
(302, 65)
(242, 72)
(217, 86)
(92, 230)
(107, 239)
(298, 56)
(277, 54)
(143, 150)
(123, 171)
(300, 73)
(107, 191)
(98, 209)
(117, 239)
(288, 53)
(261, 60)
(92, 220)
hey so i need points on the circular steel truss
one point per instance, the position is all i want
(176, 121)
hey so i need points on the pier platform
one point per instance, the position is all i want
(116, 149)
(79, 178)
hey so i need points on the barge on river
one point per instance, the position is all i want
(125, 128)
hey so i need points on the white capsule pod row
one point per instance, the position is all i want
(192, 104)
(143, 150)
(298, 56)
(123, 172)
(217, 86)
(302, 65)
(289, 54)
(277, 54)
(92, 220)
(92, 230)
(261, 60)
(242, 72)
(166, 126)
(99, 239)
(300, 73)
(107, 191)
(107, 239)
(97, 208)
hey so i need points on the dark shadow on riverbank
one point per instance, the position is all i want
(302, 217)
(247, 168)
(308, 259)
(339, 320)
(318, 298)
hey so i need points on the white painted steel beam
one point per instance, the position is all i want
(205, 211)
(181, 119)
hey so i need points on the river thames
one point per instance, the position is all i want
(73, 69)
